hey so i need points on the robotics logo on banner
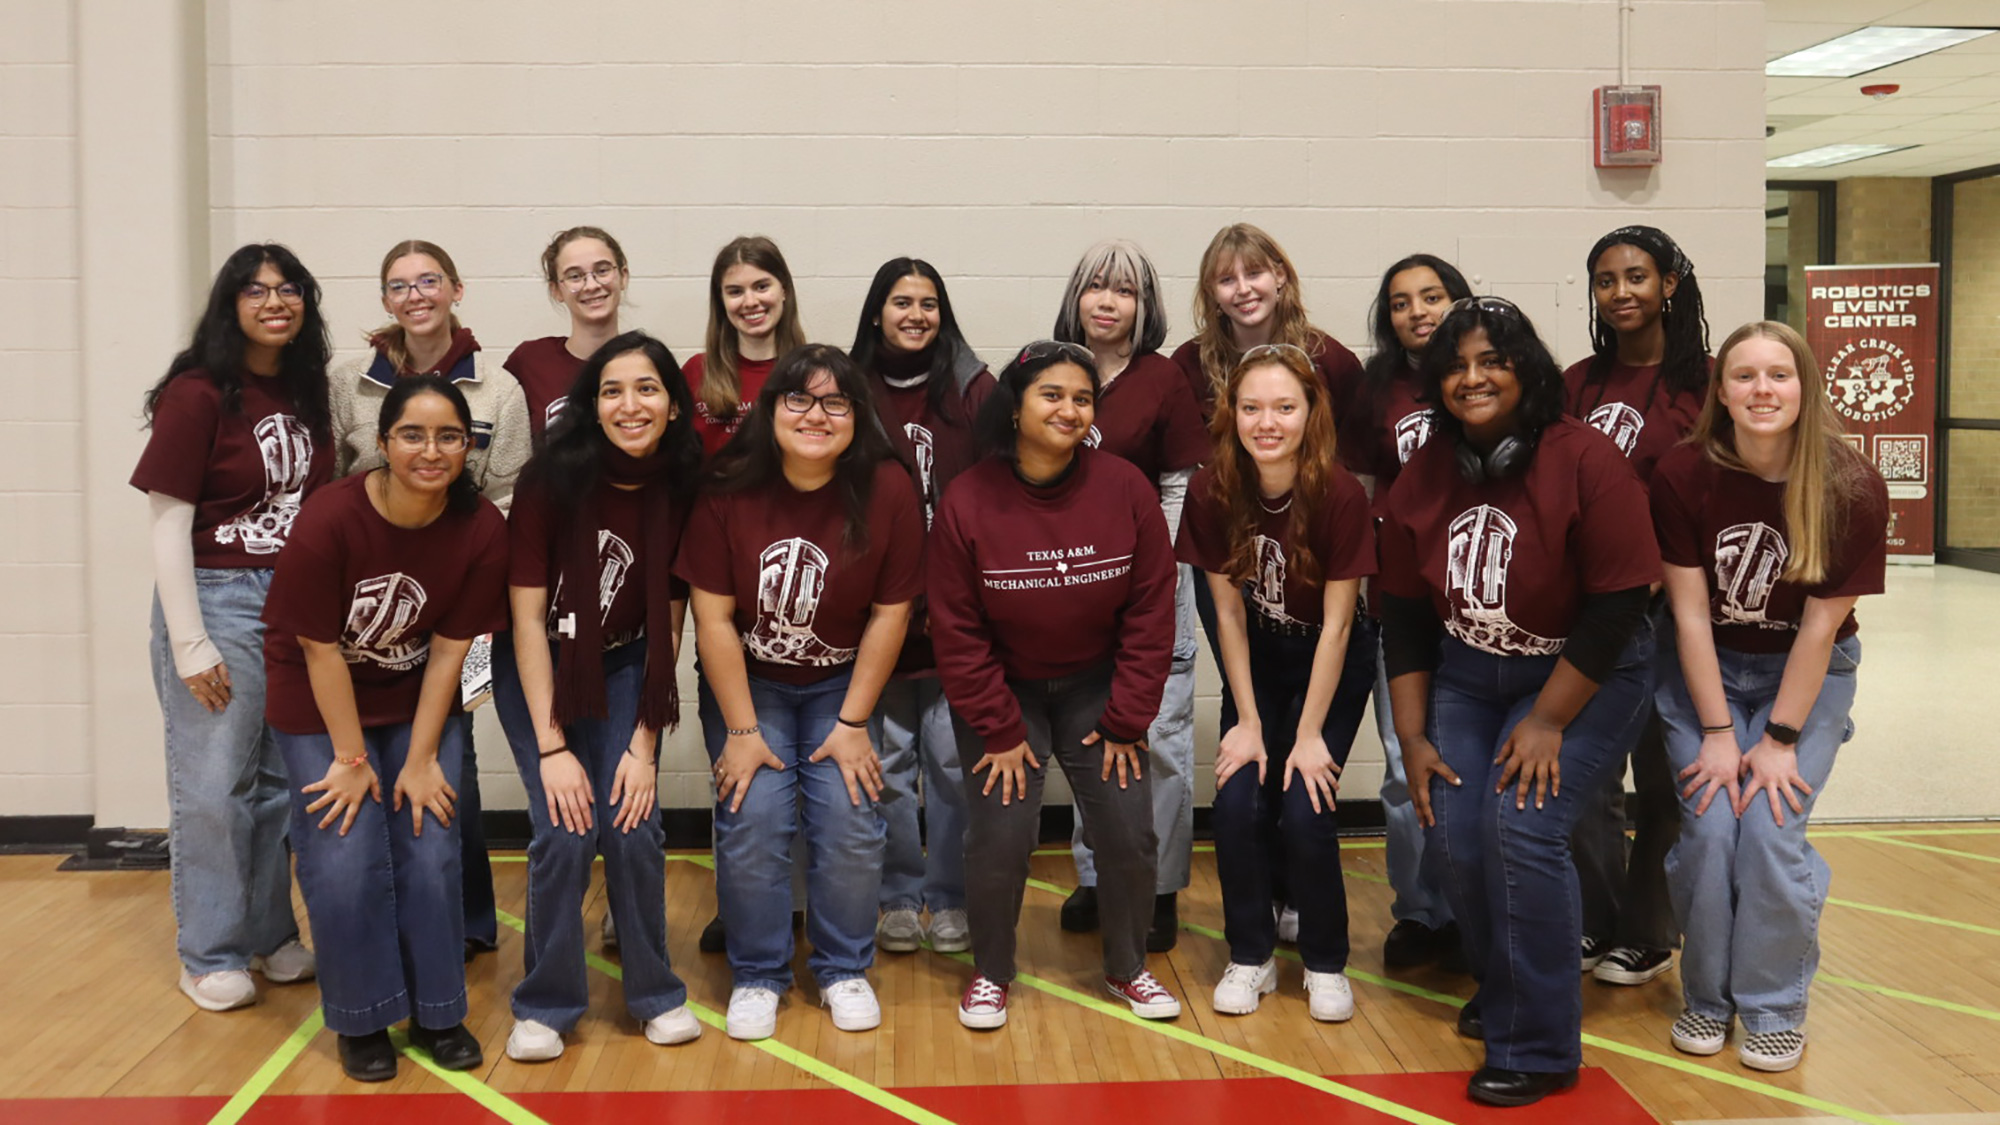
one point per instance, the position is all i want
(1871, 380)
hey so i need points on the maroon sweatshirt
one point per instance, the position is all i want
(1034, 583)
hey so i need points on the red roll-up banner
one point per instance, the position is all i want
(1875, 332)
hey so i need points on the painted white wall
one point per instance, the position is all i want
(995, 140)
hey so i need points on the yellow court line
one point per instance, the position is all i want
(489, 1099)
(294, 1045)
(1912, 997)
(832, 1075)
(1910, 916)
(1835, 833)
(1884, 838)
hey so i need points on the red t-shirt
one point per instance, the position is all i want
(1148, 417)
(715, 432)
(802, 596)
(1506, 563)
(1732, 525)
(1034, 583)
(538, 542)
(246, 473)
(380, 591)
(1331, 359)
(1342, 534)
(546, 372)
(1618, 407)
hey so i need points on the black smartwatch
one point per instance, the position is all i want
(1781, 734)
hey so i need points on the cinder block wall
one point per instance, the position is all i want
(996, 140)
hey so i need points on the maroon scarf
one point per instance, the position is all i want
(580, 667)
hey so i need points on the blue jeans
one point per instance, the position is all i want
(1508, 871)
(1258, 826)
(753, 847)
(226, 789)
(1747, 893)
(555, 985)
(1418, 885)
(1169, 758)
(386, 907)
(912, 727)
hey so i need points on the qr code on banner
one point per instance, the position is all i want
(1902, 459)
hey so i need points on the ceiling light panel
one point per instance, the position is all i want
(1870, 48)
(1825, 156)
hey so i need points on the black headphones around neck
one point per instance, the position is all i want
(1507, 458)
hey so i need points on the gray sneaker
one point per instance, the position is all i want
(949, 931)
(900, 931)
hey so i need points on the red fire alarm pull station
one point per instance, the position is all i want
(1625, 124)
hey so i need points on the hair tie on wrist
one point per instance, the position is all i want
(1719, 729)
(637, 758)
(547, 754)
(746, 732)
(846, 722)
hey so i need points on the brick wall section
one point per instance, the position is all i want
(1973, 517)
(1883, 219)
(44, 766)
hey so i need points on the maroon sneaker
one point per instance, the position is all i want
(1149, 998)
(984, 1005)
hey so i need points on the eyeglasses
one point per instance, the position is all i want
(428, 284)
(836, 405)
(413, 439)
(1262, 350)
(1043, 349)
(1499, 306)
(574, 279)
(257, 292)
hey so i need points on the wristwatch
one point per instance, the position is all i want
(1781, 734)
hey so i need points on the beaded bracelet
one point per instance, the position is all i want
(753, 728)
(357, 760)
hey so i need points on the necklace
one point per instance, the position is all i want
(1269, 510)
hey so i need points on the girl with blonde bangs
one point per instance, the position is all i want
(1220, 329)
(1821, 456)
(1285, 536)
(1771, 528)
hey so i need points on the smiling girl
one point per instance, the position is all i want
(753, 318)
(586, 274)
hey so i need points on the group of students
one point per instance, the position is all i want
(915, 582)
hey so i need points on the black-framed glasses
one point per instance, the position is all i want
(428, 284)
(257, 292)
(1499, 306)
(836, 405)
(574, 279)
(1044, 349)
(412, 439)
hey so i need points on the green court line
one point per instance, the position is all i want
(1912, 997)
(1345, 845)
(832, 1075)
(1612, 1045)
(1883, 838)
(489, 1099)
(239, 1104)
(1835, 833)
(1194, 1039)
(1909, 916)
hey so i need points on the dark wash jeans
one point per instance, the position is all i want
(1508, 872)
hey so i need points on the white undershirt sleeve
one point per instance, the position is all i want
(173, 575)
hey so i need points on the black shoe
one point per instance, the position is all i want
(454, 1048)
(1410, 944)
(1079, 911)
(1494, 1086)
(476, 946)
(714, 939)
(1594, 949)
(1451, 950)
(368, 1058)
(1629, 964)
(1470, 1025)
(1166, 928)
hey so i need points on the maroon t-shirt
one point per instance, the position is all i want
(1034, 583)
(1732, 525)
(246, 473)
(1618, 407)
(938, 445)
(715, 432)
(803, 596)
(1148, 416)
(538, 542)
(1399, 425)
(1506, 562)
(1331, 359)
(546, 372)
(380, 591)
(1342, 534)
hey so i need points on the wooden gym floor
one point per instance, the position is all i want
(1905, 1023)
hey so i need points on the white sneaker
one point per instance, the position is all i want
(854, 1005)
(677, 1026)
(950, 932)
(219, 992)
(1242, 986)
(753, 1012)
(900, 931)
(1330, 1000)
(608, 932)
(286, 964)
(533, 1041)
(1288, 926)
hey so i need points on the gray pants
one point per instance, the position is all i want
(1000, 839)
